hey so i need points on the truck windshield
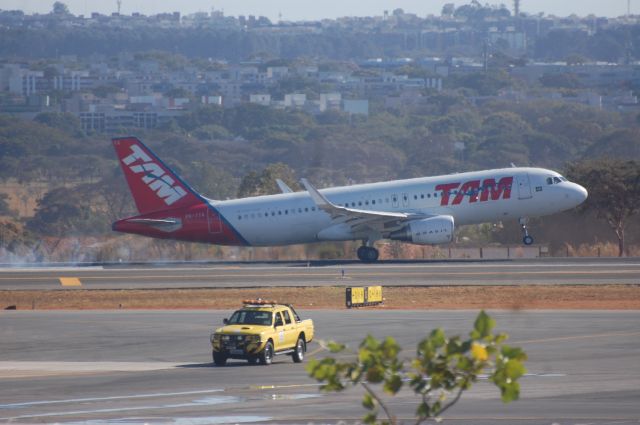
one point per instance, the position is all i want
(251, 317)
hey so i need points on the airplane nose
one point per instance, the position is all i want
(581, 193)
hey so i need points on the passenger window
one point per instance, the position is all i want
(278, 321)
(287, 318)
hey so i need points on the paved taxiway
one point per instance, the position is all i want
(120, 367)
(532, 272)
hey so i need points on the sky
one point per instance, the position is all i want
(315, 9)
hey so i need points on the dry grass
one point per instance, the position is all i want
(614, 297)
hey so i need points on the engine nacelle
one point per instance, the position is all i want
(428, 231)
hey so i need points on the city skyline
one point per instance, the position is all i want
(307, 10)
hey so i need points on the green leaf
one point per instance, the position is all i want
(510, 392)
(514, 369)
(370, 418)
(335, 347)
(423, 410)
(513, 353)
(437, 337)
(393, 385)
(375, 374)
(368, 402)
(483, 325)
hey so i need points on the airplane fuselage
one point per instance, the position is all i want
(420, 210)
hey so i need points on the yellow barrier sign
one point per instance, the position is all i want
(70, 281)
(362, 296)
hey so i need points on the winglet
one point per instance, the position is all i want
(283, 186)
(318, 198)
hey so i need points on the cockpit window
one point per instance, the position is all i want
(555, 180)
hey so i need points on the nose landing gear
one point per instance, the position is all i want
(368, 254)
(526, 239)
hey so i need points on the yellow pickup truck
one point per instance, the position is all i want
(259, 331)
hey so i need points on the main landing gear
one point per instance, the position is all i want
(368, 254)
(526, 239)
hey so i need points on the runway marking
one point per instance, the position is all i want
(22, 368)
(70, 281)
(220, 400)
(569, 338)
(127, 397)
(334, 275)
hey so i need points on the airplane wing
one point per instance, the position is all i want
(360, 221)
(283, 186)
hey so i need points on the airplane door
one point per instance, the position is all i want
(394, 200)
(215, 225)
(524, 187)
(405, 200)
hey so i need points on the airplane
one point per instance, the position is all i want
(421, 211)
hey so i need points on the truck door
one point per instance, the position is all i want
(279, 338)
(290, 329)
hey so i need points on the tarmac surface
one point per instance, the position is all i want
(326, 273)
(122, 367)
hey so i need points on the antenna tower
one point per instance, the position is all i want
(516, 8)
(119, 5)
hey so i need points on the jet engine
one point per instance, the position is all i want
(428, 231)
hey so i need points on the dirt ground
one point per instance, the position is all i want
(607, 297)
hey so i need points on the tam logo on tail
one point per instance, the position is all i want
(154, 176)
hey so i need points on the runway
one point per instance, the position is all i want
(115, 367)
(239, 275)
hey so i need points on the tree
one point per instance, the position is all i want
(60, 8)
(254, 184)
(614, 191)
(4, 205)
(442, 367)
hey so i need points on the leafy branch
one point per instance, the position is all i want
(442, 366)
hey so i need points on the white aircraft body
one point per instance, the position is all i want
(420, 210)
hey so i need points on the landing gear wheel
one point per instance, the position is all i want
(298, 354)
(219, 359)
(266, 357)
(368, 254)
(527, 240)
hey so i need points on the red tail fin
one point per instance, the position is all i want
(153, 185)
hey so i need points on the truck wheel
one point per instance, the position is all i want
(266, 356)
(219, 359)
(298, 354)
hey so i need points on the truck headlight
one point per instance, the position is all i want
(253, 338)
(226, 337)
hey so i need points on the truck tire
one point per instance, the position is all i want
(219, 359)
(266, 356)
(300, 348)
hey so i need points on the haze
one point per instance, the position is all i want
(314, 10)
